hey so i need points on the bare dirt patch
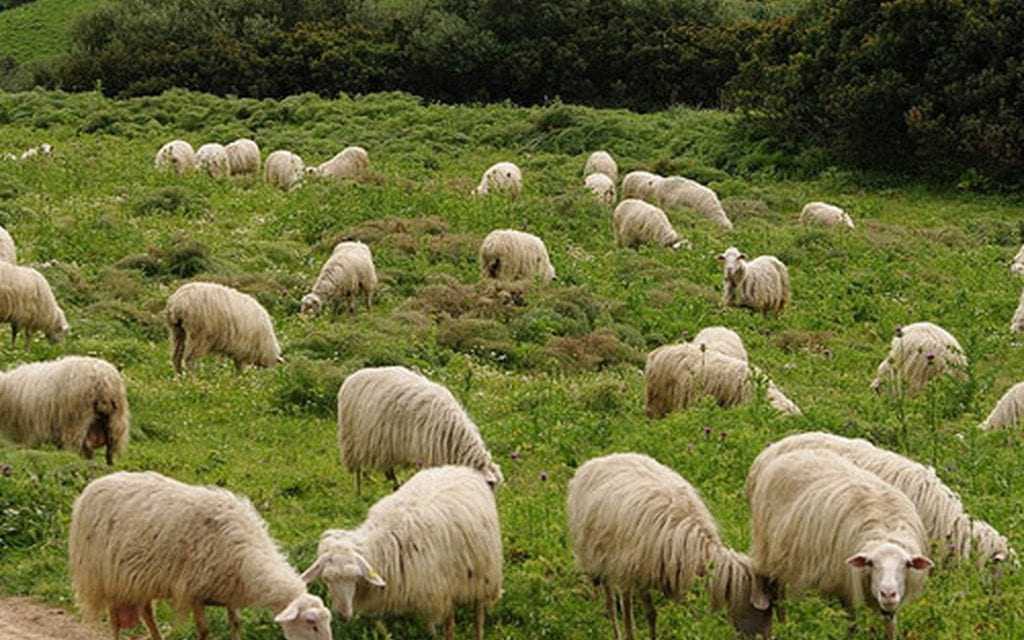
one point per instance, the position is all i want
(26, 619)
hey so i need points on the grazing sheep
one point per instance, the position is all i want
(637, 526)
(139, 537)
(1017, 323)
(506, 254)
(602, 162)
(243, 157)
(1008, 412)
(44, 149)
(204, 317)
(350, 162)
(642, 185)
(504, 176)
(722, 340)
(825, 214)
(28, 304)
(819, 522)
(919, 353)
(602, 187)
(675, 192)
(635, 223)
(1017, 264)
(433, 545)
(348, 273)
(391, 416)
(75, 403)
(284, 170)
(761, 284)
(213, 159)
(954, 534)
(176, 155)
(8, 252)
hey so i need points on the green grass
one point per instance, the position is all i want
(39, 29)
(556, 381)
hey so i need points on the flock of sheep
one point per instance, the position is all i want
(831, 514)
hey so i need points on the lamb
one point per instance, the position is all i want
(825, 214)
(675, 192)
(506, 254)
(348, 273)
(723, 340)
(635, 223)
(28, 303)
(602, 187)
(431, 546)
(954, 534)
(139, 537)
(602, 162)
(919, 353)
(1017, 264)
(204, 317)
(642, 185)
(504, 176)
(761, 284)
(176, 155)
(243, 157)
(213, 158)
(75, 403)
(637, 526)
(284, 170)
(1008, 412)
(8, 252)
(1017, 322)
(819, 522)
(350, 162)
(391, 416)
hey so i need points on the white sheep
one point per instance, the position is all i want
(433, 545)
(390, 417)
(635, 223)
(28, 304)
(675, 192)
(140, 537)
(825, 214)
(8, 252)
(1017, 264)
(243, 157)
(761, 284)
(602, 162)
(602, 187)
(75, 403)
(954, 534)
(347, 274)
(722, 340)
(204, 317)
(504, 177)
(213, 159)
(919, 353)
(284, 170)
(506, 254)
(44, 149)
(637, 526)
(642, 185)
(1017, 322)
(819, 522)
(176, 155)
(1008, 412)
(350, 162)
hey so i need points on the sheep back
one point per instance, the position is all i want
(825, 214)
(243, 157)
(602, 187)
(284, 169)
(350, 162)
(213, 158)
(601, 162)
(503, 176)
(636, 222)
(1008, 411)
(506, 254)
(642, 185)
(676, 192)
(723, 340)
(176, 155)
(918, 353)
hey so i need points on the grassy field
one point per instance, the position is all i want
(39, 29)
(551, 383)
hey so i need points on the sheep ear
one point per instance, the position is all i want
(858, 561)
(290, 614)
(743, 256)
(720, 257)
(314, 571)
(369, 573)
(920, 563)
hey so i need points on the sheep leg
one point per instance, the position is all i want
(202, 631)
(147, 617)
(449, 627)
(369, 300)
(234, 623)
(115, 625)
(178, 340)
(390, 475)
(14, 335)
(481, 616)
(652, 613)
(239, 367)
(359, 482)
(28, 339)
(627, 613)
(609, 605)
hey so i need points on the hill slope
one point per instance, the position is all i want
(39, 29)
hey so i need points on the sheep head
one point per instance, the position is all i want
(311, 304)
(305, 618)
(734, 265)
(343, 568)
(492, 475)
(888, 565)
(60, 330)
(992, 548)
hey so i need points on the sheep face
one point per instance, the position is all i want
(311, 305)
(734, 265)
(306, 618)
(343, 568)
(993, 548)
(62, 329)
(888, 565)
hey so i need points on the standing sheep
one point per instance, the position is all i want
(506, 254)
(919, 352)
(433, 545)
(140, 537)
(637, 526)
(243, 157)
(44, 149)
(213, 159)
(635, 223)
(347, 274)
(675, 192)
(602, 187)
(723, 340)
(284, 170)
(1017, 264)
(8, 252)
(1008, 412)
(504, 176)
(825, 214)
(602, 162)
(1017, 322)
(350, 162)
(176, 155)
(75, 403)
(391, 416)
(642, 185)
(762, 284)
(28, 304)
(819, 522)
(204, 317)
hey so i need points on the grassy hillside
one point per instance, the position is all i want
(552, 382)
(39, 29)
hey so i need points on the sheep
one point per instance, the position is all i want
(243, 157)
(635, 222)
(919, 353)
(825, 214)
(761, 284)
(504, 176)
(176, 155)
(284, 170)
(677, 376)
(348, 273)
(1008, 411)
(350, 162)
(1017, 322)
(723, 340)
(28, 304)
(637, 526)
(602, 162)
(139, 537)
(431, 546)
(602, 187)
(642, 185)
(506, 254)
(44, 149)
(391, 416)
(8, 252)
(819, 522)
(674, 192)
(213, 159)
(955, 535)
(204, 317)
(75, 403)
(1017, 264)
